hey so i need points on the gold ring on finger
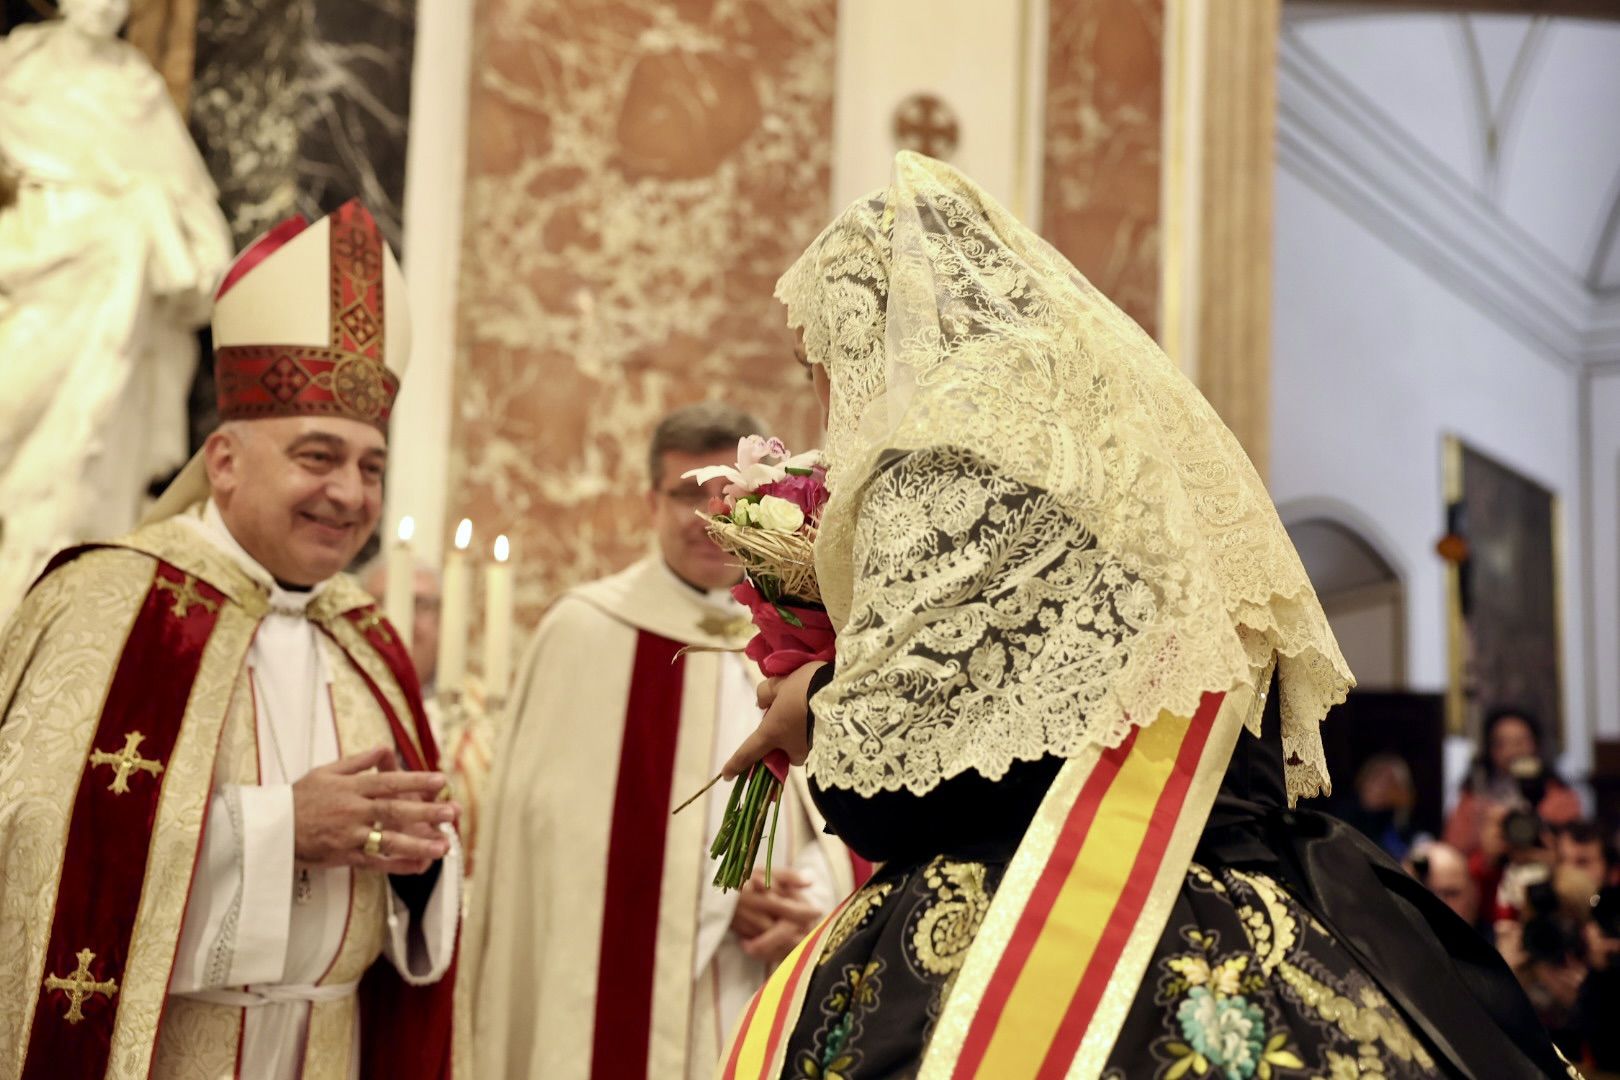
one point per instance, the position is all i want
(373, 843)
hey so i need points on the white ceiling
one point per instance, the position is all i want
(1523, 112)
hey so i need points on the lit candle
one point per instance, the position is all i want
(498, 622)
(453, 613)
(399, 593)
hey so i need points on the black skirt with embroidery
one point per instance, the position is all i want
(1294, 949)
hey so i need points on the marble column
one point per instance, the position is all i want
(1104, 111)
(639, 173)
(1221, 118)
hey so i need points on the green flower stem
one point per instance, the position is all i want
(770, 846)
(743, 827)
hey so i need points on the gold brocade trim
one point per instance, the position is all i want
(328, 1050)
(341, 596)
(1271, 932)
(177, 825)
(945, 932)
(179, 545)
(80, 987)
(52, 697)
(125, 761)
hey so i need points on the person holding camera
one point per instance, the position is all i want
(1511, 778)
(1558, 928)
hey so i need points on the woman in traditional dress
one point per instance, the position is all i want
(1079, 678)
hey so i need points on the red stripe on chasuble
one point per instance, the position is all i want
(635, 861)
(1122, 921)
(114, 810)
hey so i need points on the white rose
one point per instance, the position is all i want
(779, 515)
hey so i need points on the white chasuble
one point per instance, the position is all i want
(596, 946)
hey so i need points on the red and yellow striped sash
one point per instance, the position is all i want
(760, 1041)
(1072, 927)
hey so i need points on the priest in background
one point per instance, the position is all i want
(596, 946)
(222, 852)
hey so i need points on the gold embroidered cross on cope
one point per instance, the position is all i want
(79, 986)
(124, 762)
(186, 596)
(733, 628)
(373, 620)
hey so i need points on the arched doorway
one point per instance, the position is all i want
(1362, 594)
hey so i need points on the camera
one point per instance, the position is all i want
(1545, 937)
(1606, 911)
(1522, 827)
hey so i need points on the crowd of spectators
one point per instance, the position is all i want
(1520, 862)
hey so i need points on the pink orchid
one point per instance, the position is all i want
(761, 462)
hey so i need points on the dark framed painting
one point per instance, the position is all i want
(1503, 539)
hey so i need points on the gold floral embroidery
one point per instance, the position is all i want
(1371, 1022)
(1273, 930)
(853, 917)
(948, 925)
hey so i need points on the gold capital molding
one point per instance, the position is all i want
(1220, 97)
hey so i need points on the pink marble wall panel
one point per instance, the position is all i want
(640, 172)
(1104, 108)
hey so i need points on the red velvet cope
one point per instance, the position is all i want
(635, 866)
(104, 866)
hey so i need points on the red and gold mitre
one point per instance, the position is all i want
(310, 320)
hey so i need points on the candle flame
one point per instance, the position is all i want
(463, 534)
(407, 529)
(503, 548)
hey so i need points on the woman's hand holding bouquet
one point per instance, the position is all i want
(767, 518)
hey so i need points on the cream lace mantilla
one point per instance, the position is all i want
(1040, 533)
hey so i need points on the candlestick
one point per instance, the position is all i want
(454, 610)
(399, 592)
(498, 622)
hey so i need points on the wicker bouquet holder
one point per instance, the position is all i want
(781, 565)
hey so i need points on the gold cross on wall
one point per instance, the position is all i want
(125, 761)
(80, 986)
(186, 596)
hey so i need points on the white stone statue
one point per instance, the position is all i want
(109, 254)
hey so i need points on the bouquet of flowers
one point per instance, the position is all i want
(767, 517)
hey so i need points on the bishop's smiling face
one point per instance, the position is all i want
(301, 494)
